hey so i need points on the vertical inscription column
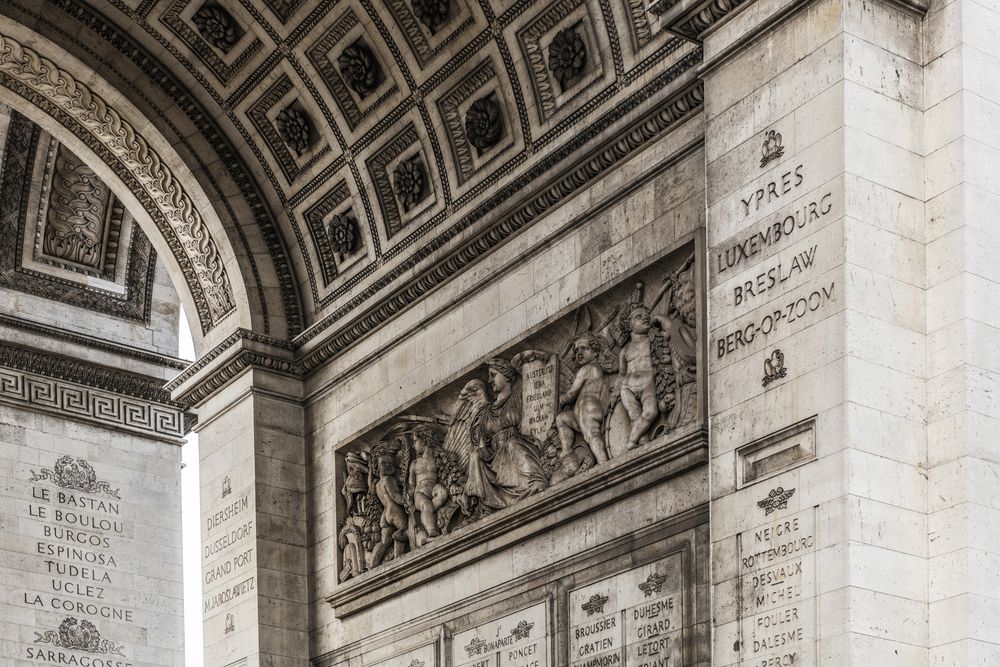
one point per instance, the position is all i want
(254, 577)
(817, 352)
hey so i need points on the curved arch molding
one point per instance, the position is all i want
(58, 93)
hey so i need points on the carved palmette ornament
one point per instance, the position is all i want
(653, 584)
(522, 630)
(771, 148)
(567, 56)
(522, 424)
(79, 635)
(595, 605)
(75, 474)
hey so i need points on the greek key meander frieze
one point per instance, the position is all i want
(172, 208)
(617, 374)
(79, 389)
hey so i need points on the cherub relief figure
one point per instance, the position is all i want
(393, 522)
(585, 403)
(639, 363)
(429, 495)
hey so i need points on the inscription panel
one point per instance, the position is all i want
(634, 618)
(87, 569)
(520, 639)
(777, 590)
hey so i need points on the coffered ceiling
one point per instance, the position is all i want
(372, 144)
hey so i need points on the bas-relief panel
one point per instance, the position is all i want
(615, 374)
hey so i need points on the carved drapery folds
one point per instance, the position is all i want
(619, 373)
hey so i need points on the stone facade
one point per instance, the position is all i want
(530, 334)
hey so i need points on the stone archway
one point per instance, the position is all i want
(83, 112)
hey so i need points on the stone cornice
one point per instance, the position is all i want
(56, 333)
(90, 392)
(240, 351)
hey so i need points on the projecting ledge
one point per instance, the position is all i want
(656, 462)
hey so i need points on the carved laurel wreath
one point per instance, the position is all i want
(188, 236)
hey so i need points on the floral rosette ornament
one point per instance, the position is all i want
(216, 26)
(409, 182)
(567, 56)
(432, 13)
(360, 69)
(343, 231)
(294, 129)
(483, 123)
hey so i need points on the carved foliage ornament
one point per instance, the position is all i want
(360, 69)
(432, 13)
(75, 474)
(653, 584)
(484, 123)
(217, 26)
(78, 206)
(777, 499)
(78, 635)
(619, 373)
(409, 182)
(567, 56)
(595, 605)
(169, 205)
(294, 129)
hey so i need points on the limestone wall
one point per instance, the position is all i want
(535, 570)
(91, 548)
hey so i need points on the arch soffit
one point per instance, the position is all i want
(61, 95)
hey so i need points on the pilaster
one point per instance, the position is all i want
(814, 142)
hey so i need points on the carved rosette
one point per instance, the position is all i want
(343, 232)
(484, 123)
(360, 68)
(432, 13)
(294, 129)
(567, 56)
(409, 182)
(217, 26)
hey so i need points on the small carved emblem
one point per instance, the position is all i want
(230, 624)
(567, 56)
(416, 663)
(484, 123)
(772, 148)
(76, 474)
(777, 499)
(653, 584)
(294, 129)
(432, 13)
(79, 636)
(343, 231)
(522, 630)
(227, 486)
(774, 368)
(595, 605)
(360, 69)
(217, 26)
(409, 182)
(475, 647)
